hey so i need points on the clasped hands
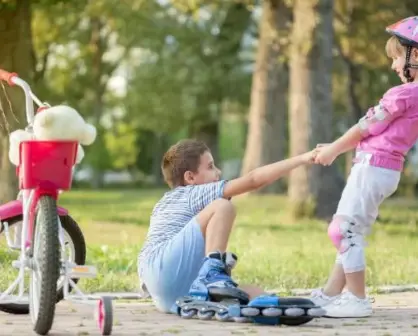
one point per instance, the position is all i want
(323, 154)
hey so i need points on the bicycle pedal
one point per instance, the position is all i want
(17, 264)
(82, 271)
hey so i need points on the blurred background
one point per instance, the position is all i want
(259, 81)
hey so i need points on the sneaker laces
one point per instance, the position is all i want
(318, 293)
(347, 296)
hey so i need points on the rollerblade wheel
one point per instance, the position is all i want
(294, 312)
(250, 312)
(316, 312)
(105, 315)
(222, 317)
(187, 313)
(205, 315)
(272, 312)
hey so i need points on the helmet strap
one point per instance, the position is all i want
(408, 65)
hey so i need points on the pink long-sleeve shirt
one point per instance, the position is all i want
(390, 129)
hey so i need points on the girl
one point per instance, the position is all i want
(382, 139)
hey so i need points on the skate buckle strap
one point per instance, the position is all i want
(230, 259)
(221, 283)
(215, 255)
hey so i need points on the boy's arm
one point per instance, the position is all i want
(264, 175)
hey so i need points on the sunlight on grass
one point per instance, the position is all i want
(274, 251)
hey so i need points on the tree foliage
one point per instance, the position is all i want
(149, 72)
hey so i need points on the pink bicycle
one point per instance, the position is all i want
(45, 169)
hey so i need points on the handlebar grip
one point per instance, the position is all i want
(7, 76)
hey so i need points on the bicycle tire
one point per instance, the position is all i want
(48, 265)
(73, 230)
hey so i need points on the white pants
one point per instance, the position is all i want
(367, 187)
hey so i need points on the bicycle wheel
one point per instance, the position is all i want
(75, 239)
(46, 266)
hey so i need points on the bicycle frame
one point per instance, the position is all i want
(32, 188)
(45, 168)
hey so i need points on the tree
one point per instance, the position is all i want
(221, 62)
(95, 40)
(189, 73)
(16, 56)
(313, 190)
(267, 115)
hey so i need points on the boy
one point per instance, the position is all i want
(190, 226)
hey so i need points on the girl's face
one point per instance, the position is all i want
(398, 63)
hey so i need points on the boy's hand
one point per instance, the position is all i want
(326, 154)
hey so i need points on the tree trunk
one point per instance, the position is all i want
(98, 47)
(266, 124)
(16, 56)
(313, 190)
(229, 40)
(352, 69)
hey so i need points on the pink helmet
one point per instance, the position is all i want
(406, 30)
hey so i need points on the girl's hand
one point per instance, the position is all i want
(322, 145)
(326, 155)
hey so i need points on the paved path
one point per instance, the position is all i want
(395, 314)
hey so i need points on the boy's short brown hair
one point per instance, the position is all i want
(181, 157)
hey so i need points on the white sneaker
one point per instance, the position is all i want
(320, 299)
(349, 305)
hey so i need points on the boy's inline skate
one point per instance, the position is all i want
(215, 294)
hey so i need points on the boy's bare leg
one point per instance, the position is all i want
(336, 281)
(216, 222)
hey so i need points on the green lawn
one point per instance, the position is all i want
(274, 251)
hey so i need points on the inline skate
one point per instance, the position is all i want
(215, 295)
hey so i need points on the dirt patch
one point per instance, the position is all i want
(395, 314)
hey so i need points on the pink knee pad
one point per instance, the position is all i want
(338, 232)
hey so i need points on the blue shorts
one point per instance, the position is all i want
(169, 274)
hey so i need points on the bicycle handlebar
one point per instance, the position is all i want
(7, 76)
(13, 79)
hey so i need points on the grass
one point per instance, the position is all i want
(274, 250)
